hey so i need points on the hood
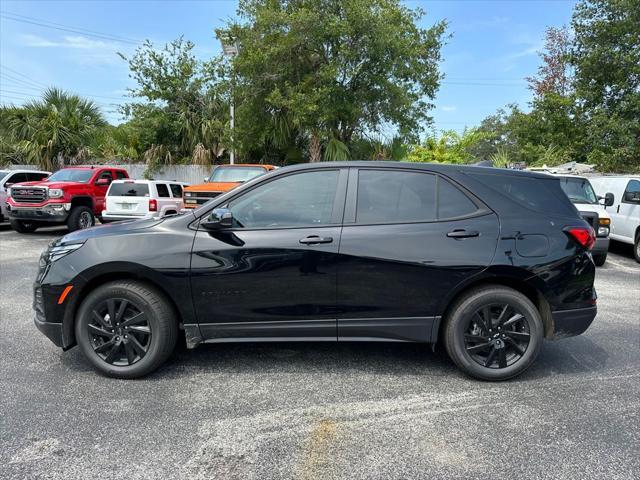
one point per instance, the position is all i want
(213, 187)
(594, 208)
(48, 184)
(118, 228)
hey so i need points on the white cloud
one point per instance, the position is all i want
(87, 51)
(449, 108)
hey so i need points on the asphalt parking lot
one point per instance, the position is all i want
(307, 411)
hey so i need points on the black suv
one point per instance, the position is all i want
(487, 261)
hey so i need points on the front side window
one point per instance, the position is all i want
(293, 201)
(162, 189)
(395, 196)
(632, 192)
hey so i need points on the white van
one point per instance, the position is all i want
(583, 196)
(625, 210)
(136, 199)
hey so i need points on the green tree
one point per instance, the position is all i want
(449, 147)
(53, 131)
(321, 73)
(606, 58)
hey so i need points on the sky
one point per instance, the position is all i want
(73, 45)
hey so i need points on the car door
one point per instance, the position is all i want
(409, 238)
(100, 191)
(273, 274)
(628, 214)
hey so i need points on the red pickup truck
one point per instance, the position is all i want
(73, 196)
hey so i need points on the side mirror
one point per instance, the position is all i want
(608, 199)
(219, 219)
(103, 182)
(206, 180)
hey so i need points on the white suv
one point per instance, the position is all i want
(10, 177)
(136, 199)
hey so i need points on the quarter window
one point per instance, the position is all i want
(632, 192)
(293, 201)
(395, 196)
(176, 189)
(162, 189)
(452, 202)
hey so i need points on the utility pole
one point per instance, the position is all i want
(230, 49)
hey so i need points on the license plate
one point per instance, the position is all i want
(126, 206)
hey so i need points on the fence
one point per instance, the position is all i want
(180, 173)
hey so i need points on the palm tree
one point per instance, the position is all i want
(55, 130)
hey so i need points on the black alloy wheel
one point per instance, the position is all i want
(497, 335)
(119, 332)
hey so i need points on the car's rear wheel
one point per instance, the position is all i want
(22, 226)
(126, 329)
(80, 218)
(600, 260)
(636, 248)
(493, 333)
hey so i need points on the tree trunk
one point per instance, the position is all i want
(315, 148)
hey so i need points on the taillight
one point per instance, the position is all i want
(153, 205)
(585, 236)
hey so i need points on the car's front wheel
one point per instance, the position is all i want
(126, 329)
(80, 218)
(493, 333)
(600, 260)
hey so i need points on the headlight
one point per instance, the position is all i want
(59, 251)
(188, 194)
(603, 231)
(55, 192)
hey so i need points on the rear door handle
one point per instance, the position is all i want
(314, 239)
(460, 233)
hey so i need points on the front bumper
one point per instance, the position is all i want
(53, 331)
(51, 213)
(601, 246)
(569, 323)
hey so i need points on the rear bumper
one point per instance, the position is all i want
(569, 323)
(110, 217)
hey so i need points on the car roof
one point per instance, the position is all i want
(144, 180)
(268, 167)
(23, 170)
(433, 167)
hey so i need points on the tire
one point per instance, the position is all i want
(599, 260)
(21, 226)
(465, 328)
(80, 218)
(636, 248)
(113, 351)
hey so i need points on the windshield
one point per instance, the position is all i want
(71, 175)
(3, 173)
(235, 174)
(579, 190)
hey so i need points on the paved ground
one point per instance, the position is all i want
(318, 410)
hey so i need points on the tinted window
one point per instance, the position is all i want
(632, 192)
(71, 175)
(129, 189)
(176, 189)
(291, 201)
(107, 174)
(17, 178)
(452, 202)
(539, 194)
(120, 175)
(393, 196)
(163, 191)
(34, 177)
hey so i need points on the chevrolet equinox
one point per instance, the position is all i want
(489, 262)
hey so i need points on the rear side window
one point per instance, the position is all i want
(452, 202)
(120, 175)
(129, 189)
(539, 194)
(395, 196)
(176, 189)
(162, 189)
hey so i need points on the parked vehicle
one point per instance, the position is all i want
(71, 196)
(487, 261)
(222, 179)
(11, 177)
(624, 209)
(582, 195)
(136, 199)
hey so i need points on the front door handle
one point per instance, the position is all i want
(314, 239)
(460, 233)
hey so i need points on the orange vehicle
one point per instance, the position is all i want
(222, 179)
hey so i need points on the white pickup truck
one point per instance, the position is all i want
(136, 199)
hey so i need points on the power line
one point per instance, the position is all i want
(16, 76)
(66, 28)
(24, 87)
